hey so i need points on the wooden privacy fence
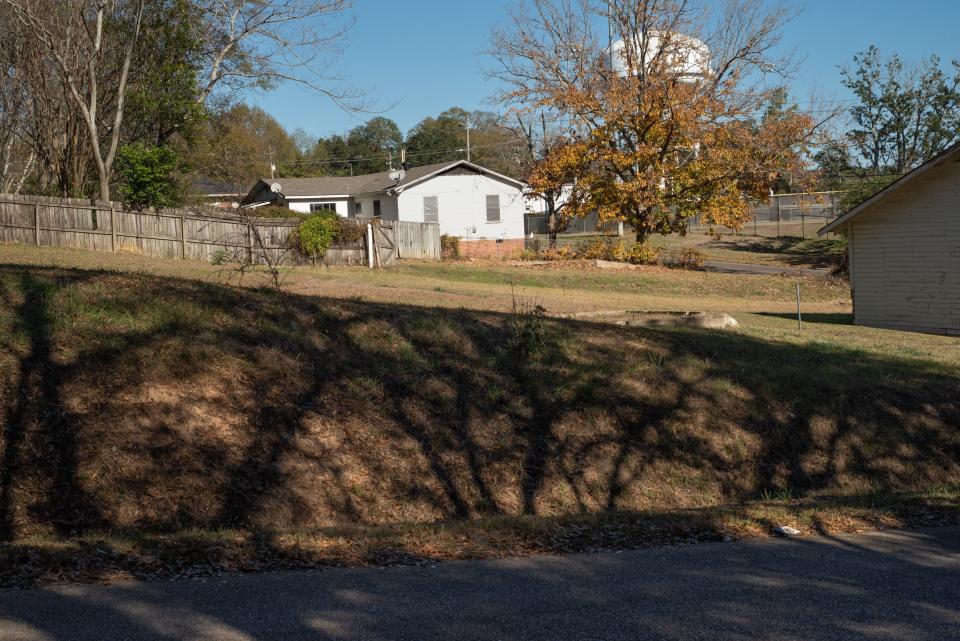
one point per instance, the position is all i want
(184, 234)
(416, 240)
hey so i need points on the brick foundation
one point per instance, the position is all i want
(508, 248)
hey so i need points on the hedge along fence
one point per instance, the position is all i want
(172, 233)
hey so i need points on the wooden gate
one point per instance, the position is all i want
(385, 242)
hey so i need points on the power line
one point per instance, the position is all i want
(335, 161)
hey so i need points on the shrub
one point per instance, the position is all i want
(618, 252)
(147, 176)
(315, 234)
(643, 254)
(692, 258)
(272, 211)
(529, 254)
(527, 329)
(560, 252)
(449, 247)
(596, 248)
(221, 257)
(347, 232)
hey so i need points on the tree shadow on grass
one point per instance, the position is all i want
(187, 405)
(814, 317)
(793, 250)
(37, 418)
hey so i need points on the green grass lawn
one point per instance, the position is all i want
(151, 422)
(786, 251)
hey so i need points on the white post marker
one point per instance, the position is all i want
(370, 244)
(799, 315)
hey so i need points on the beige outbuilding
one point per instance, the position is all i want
(904, 250)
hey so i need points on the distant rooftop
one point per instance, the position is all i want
(368, 183)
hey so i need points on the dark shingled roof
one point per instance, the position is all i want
(350, 185)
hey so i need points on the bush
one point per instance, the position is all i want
(530, 254)
(527, 329)
(315, 234)
(221, 257)
(618, 252)
(560, 252)
(692, 258)
(604, 249)
(596, 248)
(449, 247)
(347, 232)
(147, 176)
(272, 211)
(643, 254)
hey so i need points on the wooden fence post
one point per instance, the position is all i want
(36, 222)
(183, 238)
(778, 216)
(250, 242)
(113, 229)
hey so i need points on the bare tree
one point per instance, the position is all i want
(257, 43)
(50, 128)
(254, 251)
(540, 139)
(95, 72)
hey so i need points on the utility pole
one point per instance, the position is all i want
(273, 167)
(467, 122)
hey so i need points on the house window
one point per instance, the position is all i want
(315, 207)
(358, 209)
(376, 209)
(493, 209)
(431, 211)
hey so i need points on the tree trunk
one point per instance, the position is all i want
(552, 224)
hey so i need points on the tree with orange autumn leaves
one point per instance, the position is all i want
(676, 123)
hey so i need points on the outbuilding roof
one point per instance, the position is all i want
(345, 186)
(952, 153)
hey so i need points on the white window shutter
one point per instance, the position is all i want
(493, 209)
(431, 210)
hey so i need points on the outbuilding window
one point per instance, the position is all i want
(493, 209)
(376, 209)
(431, 210)
(315, 207)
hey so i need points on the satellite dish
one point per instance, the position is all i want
(275, 188)
(397, 176)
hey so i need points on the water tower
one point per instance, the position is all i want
(687, 57)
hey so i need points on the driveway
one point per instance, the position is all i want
(894, 585)
(747, 268)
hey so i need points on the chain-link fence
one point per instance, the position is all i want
(796, 215)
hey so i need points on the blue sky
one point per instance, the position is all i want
(420, 57)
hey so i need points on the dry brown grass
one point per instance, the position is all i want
(150, 412)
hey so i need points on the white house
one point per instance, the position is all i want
(904, 250)
(483, 208)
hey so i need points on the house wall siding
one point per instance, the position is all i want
(906, 256)
(462, 204)
(344, 205)
(388, 206)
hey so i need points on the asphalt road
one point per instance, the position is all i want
(889, 586)
(745, 268)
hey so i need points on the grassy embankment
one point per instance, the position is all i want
(164, 426)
